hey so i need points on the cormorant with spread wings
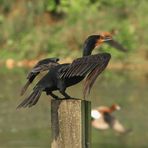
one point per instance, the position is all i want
(61, 76)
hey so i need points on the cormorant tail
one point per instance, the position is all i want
(23, 90)
(32, 99)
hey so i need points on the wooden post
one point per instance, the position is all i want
(70, 123)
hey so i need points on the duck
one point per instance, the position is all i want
(102, 119)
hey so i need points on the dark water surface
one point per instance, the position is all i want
(30, 128)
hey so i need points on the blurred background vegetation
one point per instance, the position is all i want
(35, 29)
(32, 29)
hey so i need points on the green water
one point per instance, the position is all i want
(30, 128)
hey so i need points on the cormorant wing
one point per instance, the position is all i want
(117, 45)
(91, 65)
(41, 66)
(93, 74)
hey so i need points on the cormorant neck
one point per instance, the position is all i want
(90, 44)
(87, 52)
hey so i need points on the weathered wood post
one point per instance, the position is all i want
(70, 123)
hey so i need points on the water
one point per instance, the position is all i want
(30, 128)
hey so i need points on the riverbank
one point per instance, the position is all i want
(134, 62)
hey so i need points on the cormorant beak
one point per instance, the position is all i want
(108, 38)
(103, 39)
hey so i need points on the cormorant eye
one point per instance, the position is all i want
(101, 37)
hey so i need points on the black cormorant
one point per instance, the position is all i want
(61, 76)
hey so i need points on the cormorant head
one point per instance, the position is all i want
(95, 40)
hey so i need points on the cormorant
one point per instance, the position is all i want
(61, 76)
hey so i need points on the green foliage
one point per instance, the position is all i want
(67, 6)
(29, 28)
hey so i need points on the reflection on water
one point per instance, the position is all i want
(31, 127)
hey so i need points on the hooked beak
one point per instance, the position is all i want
(107, 39)
(103, 38)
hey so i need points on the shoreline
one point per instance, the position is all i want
(128, 65)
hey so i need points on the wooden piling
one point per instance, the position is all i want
(70, 123)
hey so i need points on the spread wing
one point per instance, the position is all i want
(41, 66)
(100, 124)
(117, 45)
(92, 76)
(118, 127)
(91, 65)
